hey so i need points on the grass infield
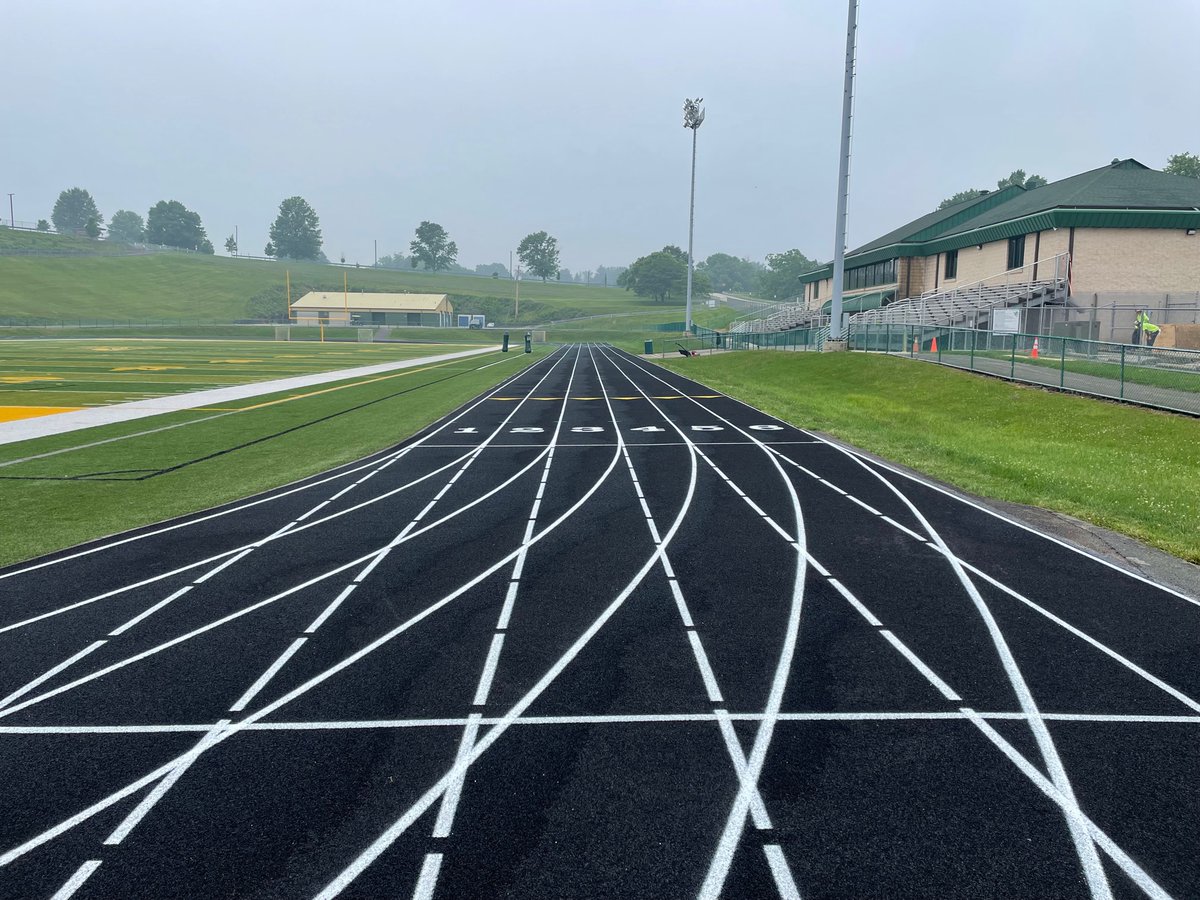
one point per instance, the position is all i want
(222, 454)
(1131, 470)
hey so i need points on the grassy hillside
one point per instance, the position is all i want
(216, 289)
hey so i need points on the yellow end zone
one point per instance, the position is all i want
(13, 413)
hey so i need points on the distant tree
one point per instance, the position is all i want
(296, 232)
(607, 275)
(662, 275)
(538, 252)
(43, 225)
(493, 269)
(231, 245)
(73, 210)
(432, 248)
(1017, 178)
(126, 227)
(781, 278)
(172, 224)
(269, 250)
(1184, 164)
(565, 275)
(92, 228)
(392, 260)
(728, 273)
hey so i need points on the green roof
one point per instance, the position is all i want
(1125, 194)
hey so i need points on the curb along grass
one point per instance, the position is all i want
(1132, 470)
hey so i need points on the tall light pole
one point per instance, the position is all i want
(839, 236)
(693, 118)
(12, 220)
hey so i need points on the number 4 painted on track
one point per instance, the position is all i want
(647, 428)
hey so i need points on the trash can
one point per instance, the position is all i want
(529, 342)
(504, 348)
(649, 348)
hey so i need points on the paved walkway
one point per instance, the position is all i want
(27, 429)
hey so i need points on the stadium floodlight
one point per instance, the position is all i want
(839, 234)
(693, 118)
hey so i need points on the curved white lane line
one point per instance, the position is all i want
(723, 855)
(273, 493)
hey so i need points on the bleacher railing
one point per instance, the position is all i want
(1161, 377)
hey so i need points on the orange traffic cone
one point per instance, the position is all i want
(1035, 348)
(933, 346)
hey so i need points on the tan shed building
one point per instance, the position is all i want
(337, 308)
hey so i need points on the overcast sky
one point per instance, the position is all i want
(501, 118)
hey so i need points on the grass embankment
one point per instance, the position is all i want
(59, 501)
(177, 287)
(78, 373)
(1131, 470)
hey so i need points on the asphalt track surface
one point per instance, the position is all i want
(599, 633)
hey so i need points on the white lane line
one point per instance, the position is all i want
(920, 666)
(324, 503)
(236, 558)
(706, 672)
(821, 570)
(301, 485)
(328, 611)
(139, 812)
(445, 818)
(631, 719)
(510, 598)
(912, 534)
(75, 882)
(146, 613)
(784, 882)
(427, 880)
(46, 676)
(1071, 809)
(489, 670)
(855, 602)
(867, 506)
(266, 676)
(758, 809)
(680, 603)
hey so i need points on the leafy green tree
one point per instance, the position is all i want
(73, 209)
(1017, 177)
(1184, 164)
(538, 252)
(172, 224)
(296, 233)
(43, 225)
(231, 245)
(663, 275)
(781, 278)
(92, 228)
(432, 248)
(728, 273)
(495, 270)
(126, 227)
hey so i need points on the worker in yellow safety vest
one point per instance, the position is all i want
(1143, 325)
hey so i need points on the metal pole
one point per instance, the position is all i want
(12, 219)
(839, 236)
(693, 117)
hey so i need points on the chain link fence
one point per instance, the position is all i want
(1162, 377)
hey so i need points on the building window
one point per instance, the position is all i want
(1016, 252)
(323, 315)
(869, 276)
(951, 264)
(816, 290)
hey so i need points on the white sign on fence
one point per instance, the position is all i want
(1006, 321)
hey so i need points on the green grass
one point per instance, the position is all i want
(57, 513)
(1138, 369)
(79, 373)
(1131, 470)
(177, 287)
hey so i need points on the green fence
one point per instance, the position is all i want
(1162, 377)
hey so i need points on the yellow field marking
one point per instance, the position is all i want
(146, 368)
(237, 360)
(13, 413)
(26, 379)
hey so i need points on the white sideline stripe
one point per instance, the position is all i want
(75, 882)
(489, 670)
(758, 809)
(445, 819)
(706, 672)
(855, 602)
(328, 611)
(427, 880)
(302, 484)
(784, 882)
(912, 534)
(266, 676)
(631, 719)
(510, 597)
(46, 676)
(920, 666)
(1071, 809)
(680, 603)
(180, 766)
(121, 629)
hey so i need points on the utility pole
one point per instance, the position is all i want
(235, 240)
(12, 219)
(839, 236)
(693, 118)
(517, 295)
(375, 265)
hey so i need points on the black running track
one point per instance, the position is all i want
(600, 633)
